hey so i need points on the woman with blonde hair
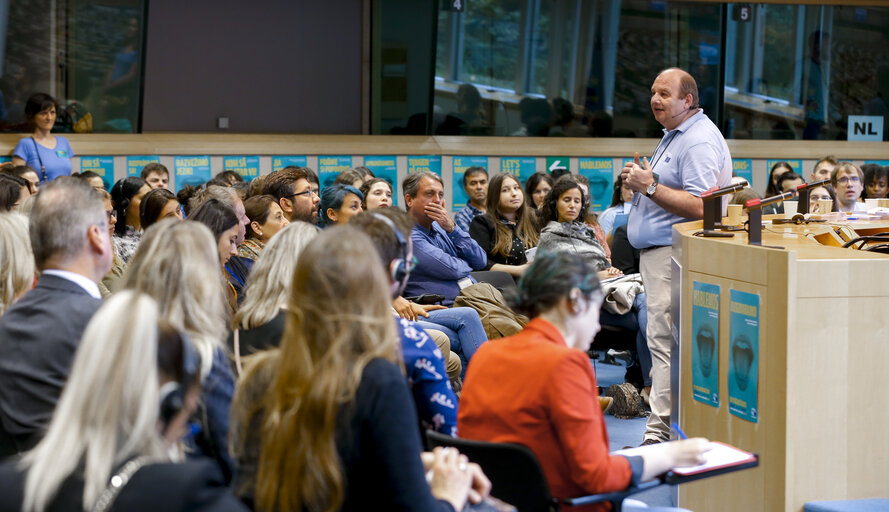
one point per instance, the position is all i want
(17, 265)
(133, 385)
(259, 323)
(178, 266)
(335, 428)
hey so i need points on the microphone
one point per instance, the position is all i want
(719, 192)
(813, 184)
(686, 110)
(757, 204)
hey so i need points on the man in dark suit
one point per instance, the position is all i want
(39, 334)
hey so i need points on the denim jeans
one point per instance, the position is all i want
(636, 320)
(462, 326)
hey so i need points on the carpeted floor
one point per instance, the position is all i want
(623, 433)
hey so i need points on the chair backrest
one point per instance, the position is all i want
(515, 473)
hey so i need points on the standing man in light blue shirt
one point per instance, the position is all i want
(691, 158)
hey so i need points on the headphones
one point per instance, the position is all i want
(172, 394)
(399, 270)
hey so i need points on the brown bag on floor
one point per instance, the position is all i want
(498, 320)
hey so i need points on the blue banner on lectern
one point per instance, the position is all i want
(705, 343)
(743, 363)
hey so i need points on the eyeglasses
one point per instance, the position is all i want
(303, 193)
(819, 198)
(847, 179)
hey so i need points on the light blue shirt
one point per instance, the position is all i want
(56, 161)
(606, 220)
(692, 157)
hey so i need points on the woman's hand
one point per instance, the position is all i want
(404, 308)
(660, 458)
(450, 477)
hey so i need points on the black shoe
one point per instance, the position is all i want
(649, 441)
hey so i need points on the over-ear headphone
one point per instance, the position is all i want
(172, 394)
(400, 267)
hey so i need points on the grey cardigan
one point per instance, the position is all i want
(573, 237)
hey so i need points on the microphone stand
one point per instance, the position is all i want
(754, 216)
(713, 210)
(803, 191)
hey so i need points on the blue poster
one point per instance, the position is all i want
(101, 165)
(460, 164)
(882, 163)
(431, 163)
(4, 159)
(135, 163)
(705, 343)
(280, 162)
(329, 167)
(600, 172)
(521, 166)
(385, 167)
(191, 170)
(743, 168)
(796, 165)
(246, 166)
(743, 362)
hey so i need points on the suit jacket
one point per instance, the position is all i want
(39, 335)
(192, 486)
(531, 389)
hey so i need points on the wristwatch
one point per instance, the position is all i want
(651, 188)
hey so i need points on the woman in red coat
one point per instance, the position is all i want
(537, 388)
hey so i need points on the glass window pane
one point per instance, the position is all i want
(88, 55)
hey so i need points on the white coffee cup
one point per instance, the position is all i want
(790, 209)
(870, 204)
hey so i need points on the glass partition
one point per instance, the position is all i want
(86, 54)
(585, 67)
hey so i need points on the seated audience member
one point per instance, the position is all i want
(621, 202)
(445, 253)
(365, 173)
(537, 188)
(848, 182)
(230, 176)
(178, 266)
(326, 421)
(475, 183)
(113, 280)
(16, 259)
(507, 228)
(236, 268)
(29, 174)
(777, 170)
(588, 217)
(156, 175)
(424, 361)
(13, 192)
(822, 193)
(158, 204)
(93, 179)
(350, 177)
(876, 181)
(266, 220)
(256, 185)
(292, 188)
(132, 389)
(40, 333)
(126, 195)
(564, 232)
(339, 203)
(223, 223)
(789, 181)
(377, 194)
(823, 168)
(538, 389)
(259, 322)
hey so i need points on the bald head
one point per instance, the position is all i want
(674, 97)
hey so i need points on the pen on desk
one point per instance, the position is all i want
(679, 431)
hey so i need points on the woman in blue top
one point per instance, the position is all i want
(49, 155)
